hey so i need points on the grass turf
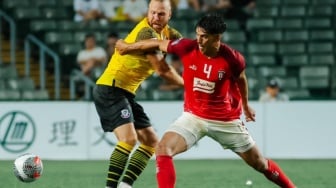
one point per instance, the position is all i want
(190, 174)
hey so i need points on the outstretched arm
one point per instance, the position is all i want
(140, 46)
(243, 88)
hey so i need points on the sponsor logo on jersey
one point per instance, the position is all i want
(203, 85)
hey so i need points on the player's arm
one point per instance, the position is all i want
(157, 59)
(147, 45)
(243, 88)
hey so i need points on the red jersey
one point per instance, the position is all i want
(210, 88)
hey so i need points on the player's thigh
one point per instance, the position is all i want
(171, 144)
(189, 128)
(231, 135)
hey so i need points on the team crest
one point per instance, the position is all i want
(125, 113)
(221, 74)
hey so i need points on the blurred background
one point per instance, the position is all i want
(291, 41)
(46, 74)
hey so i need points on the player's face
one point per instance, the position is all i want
(207, 43)
(158, 15)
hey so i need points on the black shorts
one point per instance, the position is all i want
(116, 107)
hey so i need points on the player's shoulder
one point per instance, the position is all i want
(145, 33)
(173, 34)
(230, 52)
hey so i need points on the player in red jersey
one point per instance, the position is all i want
(216, 93)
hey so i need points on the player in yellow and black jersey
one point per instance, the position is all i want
(115, 92)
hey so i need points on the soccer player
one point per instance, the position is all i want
(215, 94)
(115, 92)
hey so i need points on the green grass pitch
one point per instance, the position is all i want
(190, 174)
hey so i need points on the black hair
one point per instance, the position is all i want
(212, 23)
(113, 35)
(90, 35)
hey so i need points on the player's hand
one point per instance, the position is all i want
(121, 47)
(249, 114)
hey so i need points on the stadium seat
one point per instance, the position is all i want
(288, 23)
(232, 25)
(268, 2)
(259, 23)
(298, 94)
(289, 83)
(69, 25)
(69, 48)
(268, 71)
(296, 36)
(323, 2)
(291, 48)
(234, 36)
(322, 35)
(58, 37)
(322, 59)
(266, 12)
(43, 25)
(293, 11)
(27, 13)
(295, 60)
(296, 2)
(317, 23)
(2, 84)
(323, 10)
(180, 25)
(8, 71)
(250, 71)
(26, 83)
(270, 36)
(55, 13)
(240, 47)
(259, 60)
(16, 3)
(261, 48)
(187, 14)
(320, 47)
(35, 95)
(44, 3)
(10, 95)
(314, 77)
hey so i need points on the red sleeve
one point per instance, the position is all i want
(236, 60)
(181, 46)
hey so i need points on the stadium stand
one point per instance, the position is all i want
(293, 40)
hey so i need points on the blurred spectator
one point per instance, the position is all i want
(86, 10)
(110, 9)
(185, 4)
(272, 93)
(134, 10)
(92, 59)
(111, 40)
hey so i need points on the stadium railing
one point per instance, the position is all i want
(43, 51)
(12, 36)
(76, 77)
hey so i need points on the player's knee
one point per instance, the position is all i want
(129, 140)
(163, 149)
